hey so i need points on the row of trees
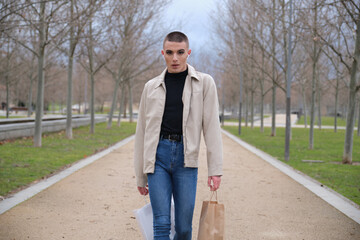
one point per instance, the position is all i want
(102, 39)
(61, 45)
(325, 52)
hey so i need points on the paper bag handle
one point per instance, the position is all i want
(212, 194)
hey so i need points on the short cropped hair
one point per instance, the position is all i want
(177, 37)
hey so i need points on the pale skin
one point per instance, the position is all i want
(175, 55)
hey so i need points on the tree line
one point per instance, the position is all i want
(109, 44)
(325, 51)
(62, 48)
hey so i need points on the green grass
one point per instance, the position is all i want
(243, 119)
(233, 120)
(21, 163)
(325, 121)
(328, 147)
(4, 117)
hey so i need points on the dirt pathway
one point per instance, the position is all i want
(97, 202)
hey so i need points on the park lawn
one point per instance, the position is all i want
(328, 147)
(243, 119)
(233, 120)
(325, 121)
(4, 117)
(22, 164)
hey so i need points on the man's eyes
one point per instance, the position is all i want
(171, 52)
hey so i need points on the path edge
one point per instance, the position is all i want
(338, 201)
(32, 190)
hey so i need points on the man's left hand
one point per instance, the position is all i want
(214, 182)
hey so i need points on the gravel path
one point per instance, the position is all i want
(97, 202)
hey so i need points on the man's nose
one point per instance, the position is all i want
(175, 58)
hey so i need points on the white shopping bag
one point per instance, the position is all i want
(144, 217)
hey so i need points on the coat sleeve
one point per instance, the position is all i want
(211, 128)
(141, 178)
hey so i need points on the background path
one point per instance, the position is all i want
(97, 202)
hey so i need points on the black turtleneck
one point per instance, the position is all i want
(172, 118)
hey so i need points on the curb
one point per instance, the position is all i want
(333, 198)
(29, 192)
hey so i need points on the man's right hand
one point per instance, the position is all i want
(143, 190)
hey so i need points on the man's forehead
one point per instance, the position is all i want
(175, 45)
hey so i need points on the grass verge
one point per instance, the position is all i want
(325, 121)
(243, 119)
(22, 164)
(345, 179)
(4, 117)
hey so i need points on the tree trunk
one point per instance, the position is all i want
(313, 89)
(319, 100)
(130, 102)
(336, 102)
(262, 92)
(288, 91)
(69, 100)
(70, 70)
(350, 119)
(312, 109)
(273, 113)
(7, 92)
(7, 80)
(240, 116)
(92, 104)
(92, 81)
(304, 104)
(125, 104)
(252, 108)
(358, 126)
(29, 105)
(85, 95)
(241, 79)
(40, 87)
(262, 110)
(113, 103)
(246, 108)
(252, 89)
(273, 52)
(122, 99)
(337, 91)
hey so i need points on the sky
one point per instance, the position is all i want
(193, 18)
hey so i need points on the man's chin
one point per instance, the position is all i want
(175, 70)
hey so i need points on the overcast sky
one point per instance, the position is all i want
(193, 18)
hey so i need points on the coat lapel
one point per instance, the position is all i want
(186, 98)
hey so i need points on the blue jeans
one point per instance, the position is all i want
(172, 178)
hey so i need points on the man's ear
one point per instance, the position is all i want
(162, 52)
(189, 51)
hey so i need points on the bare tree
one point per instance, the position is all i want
(9, 52)
(27, 12)
(95, 58)
(77, 22)
(131, 20)
(350, 59)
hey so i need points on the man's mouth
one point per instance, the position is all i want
(175, 65)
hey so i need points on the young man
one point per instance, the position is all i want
(174, 108)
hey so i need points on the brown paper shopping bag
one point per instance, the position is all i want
(212, 221)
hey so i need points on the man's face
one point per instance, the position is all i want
(175, 54)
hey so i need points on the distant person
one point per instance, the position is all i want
(174, 108)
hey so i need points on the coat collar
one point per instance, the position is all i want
(191, 72)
